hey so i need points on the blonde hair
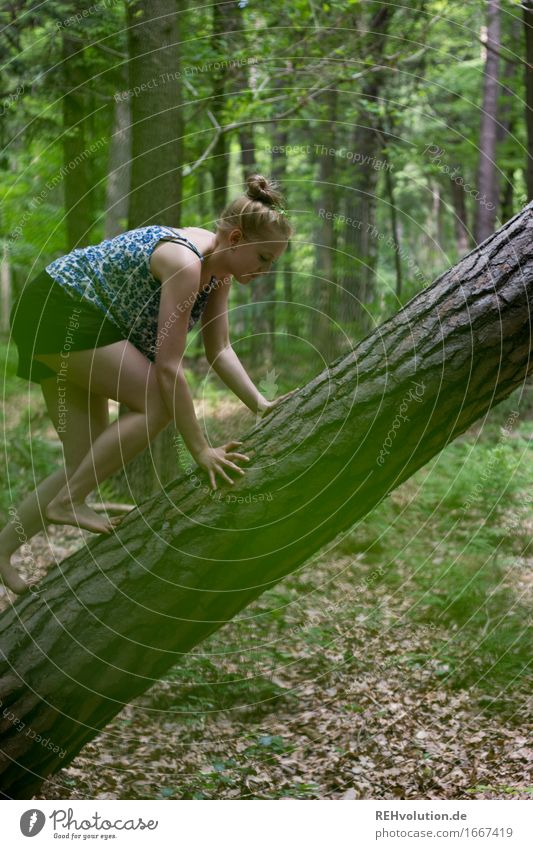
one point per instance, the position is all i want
(259, 210)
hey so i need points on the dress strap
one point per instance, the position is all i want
(177, 236)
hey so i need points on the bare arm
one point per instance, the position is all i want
(179, 286)
(230, 369)
(180, 280)
(221, 356)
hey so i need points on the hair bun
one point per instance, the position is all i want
(264, 190)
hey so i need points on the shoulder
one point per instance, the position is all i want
(199, 232)
(167, 258)
(203, 239)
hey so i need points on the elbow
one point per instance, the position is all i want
(214, 355)
(168, 373)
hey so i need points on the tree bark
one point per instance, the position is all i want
(153, 39)
(76, 160)
(118, 171)
(155, 181)
(507, 126)
(263, 291)
(527, 12)
(487, 175)
(324, 297)
(462, 233)
(227, 20)
(386, 130)
(5, 288)
(105, 627)
(361, 238)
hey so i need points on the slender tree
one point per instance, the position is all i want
(118, 172)
(153, 68)
(263, 292)
(527, 12)
(155, 179)
(507, 125)
(324, 296)
(487, 174)
(75, 139)
(462, 233)
(384, 130)
(359, 240)
(227, 20)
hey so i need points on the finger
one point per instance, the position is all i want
(235, 455)
(223, 474)
(212, 479)
(232, 466)
(230, 463)
(233, 442)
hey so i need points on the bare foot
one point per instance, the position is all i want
(11, 577)
(77, 513)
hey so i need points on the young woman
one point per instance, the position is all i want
(111, 321)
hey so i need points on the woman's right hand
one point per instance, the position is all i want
(217, 460)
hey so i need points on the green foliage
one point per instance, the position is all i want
(430, 103)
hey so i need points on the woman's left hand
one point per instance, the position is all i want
(272, 404)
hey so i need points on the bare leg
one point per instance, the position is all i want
(119, 443)
(118, 371)
(116, 446)
(88, 416)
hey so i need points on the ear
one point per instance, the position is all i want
(235, 236)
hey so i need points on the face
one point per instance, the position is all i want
(250, 259)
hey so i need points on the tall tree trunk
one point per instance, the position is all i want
(387, 127)
(462, 234)
(247, 143)
(506, 126)
(5, 288)
(263, 291)
(75, 138)
(118, 171)
(527, 11)
(324, 297)
(292, 320)
(227, 18)
(439, 237)
(487, 174)
(263, 318)
(153, 71)
(156, 183)
(97, 636)
(361, 238)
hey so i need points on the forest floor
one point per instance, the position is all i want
(392, 666)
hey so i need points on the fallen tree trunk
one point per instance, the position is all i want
(113, 617)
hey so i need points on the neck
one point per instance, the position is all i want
(215, 261)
